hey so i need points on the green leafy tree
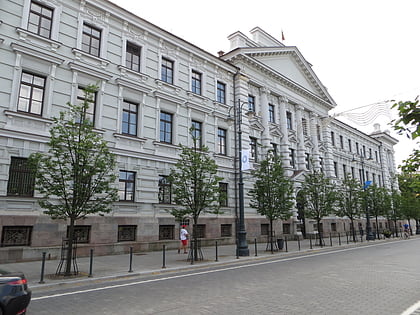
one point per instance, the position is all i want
(272, 194)
(320, 198)
(378, 202)
(409, 184)
(349, 201)
(76, 177)
(195, 185)
(408, 123)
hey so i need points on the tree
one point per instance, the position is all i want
(349, 201)
(378, 202)
(195, 185)
(76, 177)
(320, 198)
(408, 123)
(409, 184)
(272, 194)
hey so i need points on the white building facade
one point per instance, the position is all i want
(153, 86)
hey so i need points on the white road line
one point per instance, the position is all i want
(411, 309)
(201, 273)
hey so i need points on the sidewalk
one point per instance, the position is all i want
(143, 263)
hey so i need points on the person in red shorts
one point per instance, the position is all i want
(183, 236)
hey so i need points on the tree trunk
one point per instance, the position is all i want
(318, 222)
(195, 240)
(353, 232)
(271, 236)
(69, 256)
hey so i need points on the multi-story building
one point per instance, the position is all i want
(153, 86)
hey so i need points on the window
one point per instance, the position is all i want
(132, 57)
(21, 178)
(289, 120)
(265, 228)
(321, 164)
(40, 19)
(376, 156)
(165, 127)
(286, 228)
(275, 149)
(349, 145)
(165, 190)
(221, 141)
(251, 103)
(335, 169)
(81, 234)
(271, 113)
(196, 82)
(90, 111)
(127, 185)
(200, 230)
(167, 71)
(352, 172)
(364, 150)
(333, 138)
(16, 236)
(31, 93)
(307, 161)
(292, 158)
(166, 232)
(304, 126)
(221, 92)
(223, 194)
(129, 118)
(345, 170)
(333, 227)
(127, 233)
(341, 142)
(253, 145)
(225, 230)
(91, 40)
(357, 148)
(318, 132)
(197, 133)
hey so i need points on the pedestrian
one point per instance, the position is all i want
(183, 236)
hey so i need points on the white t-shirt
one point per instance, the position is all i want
(183, 234)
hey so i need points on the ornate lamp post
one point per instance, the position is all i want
(369, 235)
(241, 243)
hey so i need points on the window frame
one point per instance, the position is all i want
(129, 63)
(289, 121)
(130, 112)
(15, 185)
(41, 18)
(223, 191)
(197, 132)
(221, 141)
(253, 148)
(196, 82)
(167, 70)
(251, 103)
(89, 47)
(33, 88)
(91, 110)
(167, 130)
(221, 92)
(165, 190)
(126, 181)
(271, 113)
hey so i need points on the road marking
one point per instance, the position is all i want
(201, 272)
(412, 309)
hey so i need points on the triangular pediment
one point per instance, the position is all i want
(289, 63)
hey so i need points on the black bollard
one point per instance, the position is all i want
(42, 268)
(339, 239)
(310, 241)
(285, 243)
(347, 236)
(217, 256)
(331, 240)
(91, 263)
(192, 251)
(164, 256)
(255, 246)
(131, 260)
(298, 242)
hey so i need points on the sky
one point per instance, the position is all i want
(363, 51)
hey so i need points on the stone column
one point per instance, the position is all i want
(313, 122)
(265, 141)
(284, 142)
(301, 139)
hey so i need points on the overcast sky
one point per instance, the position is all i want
(363, 51)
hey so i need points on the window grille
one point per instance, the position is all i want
(166, 232)
(21, 178)
(127, 233)
(16, 236)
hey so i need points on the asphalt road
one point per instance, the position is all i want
(382, 278)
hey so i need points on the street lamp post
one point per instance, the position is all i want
(242, 245)
(369, 234)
